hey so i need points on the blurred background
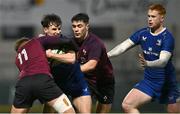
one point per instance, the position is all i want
(112, 20)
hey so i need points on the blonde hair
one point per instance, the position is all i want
(19, 42)
(159, 8)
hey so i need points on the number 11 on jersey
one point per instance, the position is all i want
(22, 54)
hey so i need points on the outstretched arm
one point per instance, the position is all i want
(56, 42)
(121, 48)
(161, 62)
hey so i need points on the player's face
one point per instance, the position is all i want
(80, 29)
(155, 20)
(53, 30)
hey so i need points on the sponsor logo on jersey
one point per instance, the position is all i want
(144, 38)
(149, 52)
(150, 48)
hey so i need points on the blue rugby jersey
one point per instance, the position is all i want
(152, 45)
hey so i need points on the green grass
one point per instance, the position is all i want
(34, 109)
(37, 108)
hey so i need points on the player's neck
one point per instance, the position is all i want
(81, 40)
(86, 35)
(157, 30)
(24, 43)
(84, 38)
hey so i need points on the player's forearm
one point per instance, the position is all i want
(89, 66)
(65, 58)
(162, 61)
(86, 69)
(121, 48)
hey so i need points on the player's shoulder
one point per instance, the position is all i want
(96, 41)
(145, 29)
(93, 37)
(167, 34)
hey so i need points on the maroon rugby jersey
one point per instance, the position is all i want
(31, 58)
(93, 48)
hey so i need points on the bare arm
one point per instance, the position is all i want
(89, 66)
(69, 57)
(121, 48)
(161, 62)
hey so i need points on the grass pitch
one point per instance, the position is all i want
(34, 109)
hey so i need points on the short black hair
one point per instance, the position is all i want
(81, 17)
(51, 18)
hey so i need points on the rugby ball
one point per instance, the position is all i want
(54, 62)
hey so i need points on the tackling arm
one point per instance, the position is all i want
(68, 57)
(90, 65)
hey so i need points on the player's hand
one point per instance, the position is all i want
(142, 61)
(108, 54)
(49, 53)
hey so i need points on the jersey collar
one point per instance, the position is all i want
(156, 34)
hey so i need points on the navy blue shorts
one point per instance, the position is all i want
(71, 80)
(165, 93)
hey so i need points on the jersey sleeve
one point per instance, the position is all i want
(168, 43)
(135, 37)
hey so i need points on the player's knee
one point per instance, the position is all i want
(62, 104)
(19, 110)
(173, 108)
(126, 106)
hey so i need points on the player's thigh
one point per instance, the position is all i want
(83, 104)
(103, 108)
(173, 108)
(47, 89)
(24, 95)
(61, 104)
(136, 98)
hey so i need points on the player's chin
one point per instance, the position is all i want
(56, 35)
(77, 36)
(150, 25)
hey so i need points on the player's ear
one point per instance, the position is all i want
(87, 26)
(45, 29)
(162, 18)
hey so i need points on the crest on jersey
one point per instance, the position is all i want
(83, 57)
(158, 43)
(84, 52)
